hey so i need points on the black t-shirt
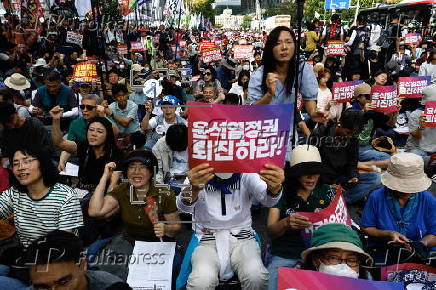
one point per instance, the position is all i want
(90, 168)
(32, 132)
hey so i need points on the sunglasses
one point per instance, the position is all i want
(88, 107)
(367, 96)
(207, 74)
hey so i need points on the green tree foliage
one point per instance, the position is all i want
(202, 6)
(246, 21)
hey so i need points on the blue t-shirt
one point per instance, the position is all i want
(423, 222)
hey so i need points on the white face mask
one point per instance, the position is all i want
(246, 67)
(339, 270)
(121, 66)
(224, 175)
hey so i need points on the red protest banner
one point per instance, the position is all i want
(384, 98)
(296, 279)
(85, 72)
(430, 114)
(411, 87)
(238, 139)
(212, 55)
(344, 91)
(136, 46)
(335, 47)
(244, 52)
(336, 212)
(412, 38)
(387, 273)
(206, 46)
(122, 49)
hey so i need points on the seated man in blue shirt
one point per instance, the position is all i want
(125, 114)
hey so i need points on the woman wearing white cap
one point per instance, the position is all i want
(403, 211)
(303, 192)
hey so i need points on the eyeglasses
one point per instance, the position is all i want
(23, 163)
(133, 168)
(335, 260)
(88, 107)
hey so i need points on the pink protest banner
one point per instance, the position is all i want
(136, 46)
(296, 279)
(344, 91)
(387, 273)
(212, 55)
(384, 98)
(411, 87)
(238, 139)
(412, 38)
(430, 114)
(336, 212)
(243, 51)
(335, 47)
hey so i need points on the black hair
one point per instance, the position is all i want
(49, 172)
(53, 76)
(353, 120)
(243, 73)
(232, 99)
(55, 247)
(361, 18)
(431, 55)
(115, 71)
(395, 16)
(6, 93)
(212, 70)
(269, 63)
(177, 137)
(109, 143)
(119, 88)
(7, 110)
(310, 26)
(335, 17)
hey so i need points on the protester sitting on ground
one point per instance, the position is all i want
(129, 198)
(19, 86)
(172, 155)
(422, 139)
(54, 93)
(325, 100)
(429, 68)
(226, 243)
(114, 79)
(125, 114)
(402, 211)
(57, 261)
(208, 78)
(6, 96)
(238, 87)
(38, 202)
(19, 131)
(157, 126)
(303, 191)
(211, 95)
(338, 146)
(336, 249)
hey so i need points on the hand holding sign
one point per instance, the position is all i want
(274, 177)
(199, 176)
(298, 222)
(159, 229)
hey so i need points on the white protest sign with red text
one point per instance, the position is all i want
(238, 139)
(243, 51)
(430, 114)
(411, 87)
(335, 47)
(136, 46)
(344, 91)
(384, 98)
(412, 38)
(212, 55)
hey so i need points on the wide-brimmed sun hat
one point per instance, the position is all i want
(406, 174)
(336, 236)
(306, 160)
(17, 82)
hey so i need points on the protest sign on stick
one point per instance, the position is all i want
(384, 98)
(238, 139)
(74, 38)
(411, 87)
(344, 91)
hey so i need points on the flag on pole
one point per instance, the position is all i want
(172, 10)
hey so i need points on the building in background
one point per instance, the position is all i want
(228, 20)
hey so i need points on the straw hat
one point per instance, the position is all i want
(406, 174)
(17, 82)
(362, 89)
(335, 236)
(306, 160)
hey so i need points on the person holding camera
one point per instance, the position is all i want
(401, 214)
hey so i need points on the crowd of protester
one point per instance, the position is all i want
(127, 144)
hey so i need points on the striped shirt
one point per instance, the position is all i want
(59, 209)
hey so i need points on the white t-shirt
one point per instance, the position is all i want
(161, 129)
(179, 164)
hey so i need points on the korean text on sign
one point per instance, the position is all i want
(411, 87)
(430, 114)
(384, 98)
(343, 91)
(335, 47)
(238, 138)
(243, 51)
(136, 46)
(85, 72)
(412, 38)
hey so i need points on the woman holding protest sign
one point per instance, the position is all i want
(303, 192)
